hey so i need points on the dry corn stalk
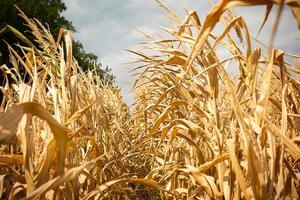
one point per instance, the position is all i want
(215, 134)
(197, 131)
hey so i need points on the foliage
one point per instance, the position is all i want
(197, 131)
(47, 12)
(75, 124)
(89, 61)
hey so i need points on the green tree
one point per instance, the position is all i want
(49, 13)
(90, 61)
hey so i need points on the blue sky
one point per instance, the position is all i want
(107, 27)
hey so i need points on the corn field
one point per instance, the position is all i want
(195, 131)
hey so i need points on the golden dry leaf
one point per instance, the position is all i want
(12, 159)
(68, 175)
(9, 121)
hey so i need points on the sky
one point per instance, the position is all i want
(108, 27)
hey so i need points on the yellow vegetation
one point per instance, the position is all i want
(196, 131)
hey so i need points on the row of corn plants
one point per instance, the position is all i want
(203, 125)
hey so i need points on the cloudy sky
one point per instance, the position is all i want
(107, 27)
